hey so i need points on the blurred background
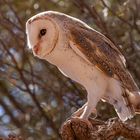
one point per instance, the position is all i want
(35, 98)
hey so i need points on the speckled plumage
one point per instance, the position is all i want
(86, 56)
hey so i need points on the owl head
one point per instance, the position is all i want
(42, 34)
(46, 29)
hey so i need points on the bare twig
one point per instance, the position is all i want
(93, 12)
(134, 26)
(8, 111)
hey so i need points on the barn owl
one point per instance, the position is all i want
(87, 57)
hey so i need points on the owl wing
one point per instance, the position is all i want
(95, 48)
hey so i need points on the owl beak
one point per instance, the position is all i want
(36, 49)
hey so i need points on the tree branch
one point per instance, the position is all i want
(77, 129)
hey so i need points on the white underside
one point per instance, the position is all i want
(97, 84)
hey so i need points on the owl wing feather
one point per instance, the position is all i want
(101, 52)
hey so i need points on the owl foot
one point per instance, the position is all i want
(79, 111)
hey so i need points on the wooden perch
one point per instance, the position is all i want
(77, 129)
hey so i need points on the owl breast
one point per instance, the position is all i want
(75, 67)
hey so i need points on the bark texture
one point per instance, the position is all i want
(77, 129)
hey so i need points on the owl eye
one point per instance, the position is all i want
(42, 32)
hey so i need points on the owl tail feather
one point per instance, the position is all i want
(125, 107)
(135, 100)
(123, 111)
